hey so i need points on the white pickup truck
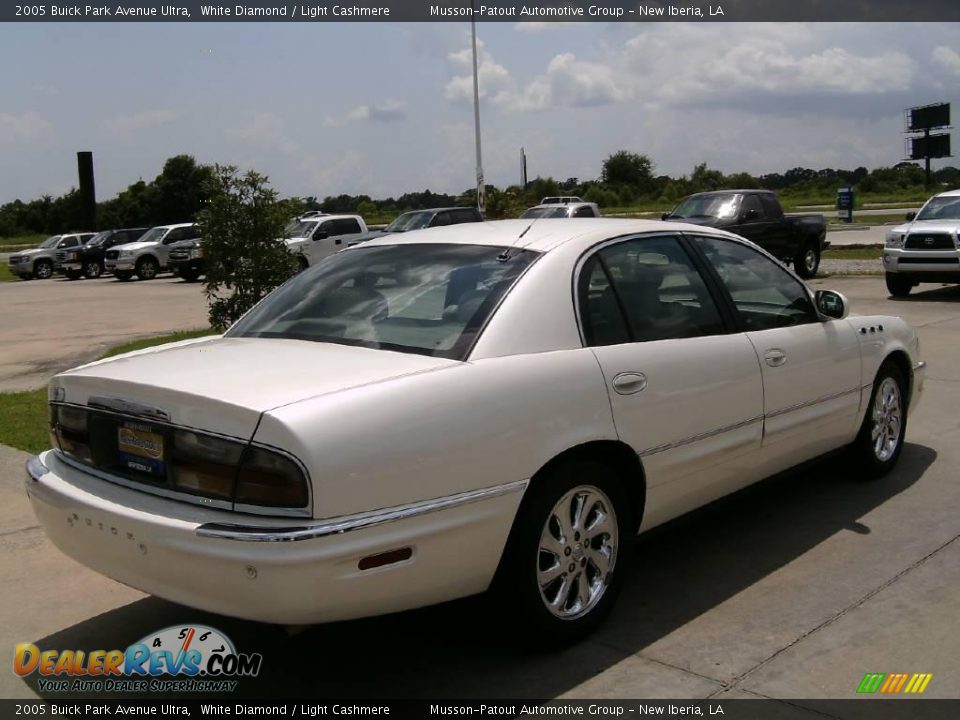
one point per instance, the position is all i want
(314, 238)
(926, 248)
(150, 254)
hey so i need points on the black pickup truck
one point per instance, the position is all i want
(757, 216)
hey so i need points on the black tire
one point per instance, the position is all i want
(122, 275)
(73, 274)
(865, 453)
(147, 268)
(189, 274)
(807, 260)
(525, 563)
(92, 270)
(42, 269)
(898, 286)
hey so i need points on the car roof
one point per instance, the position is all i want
(173, 226)
(733, 190)
(949, 193)
(327, 217)
(541, 235)
(551, 206)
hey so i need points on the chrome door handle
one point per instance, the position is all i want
(628, 383)
(775, 357)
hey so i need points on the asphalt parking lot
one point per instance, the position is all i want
(52, 325)
(794, 588)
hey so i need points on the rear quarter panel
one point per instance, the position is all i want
(441, 432)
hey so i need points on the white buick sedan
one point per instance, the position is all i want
(493, 406)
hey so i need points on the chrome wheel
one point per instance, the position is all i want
(92, 270)
(43, 270)
(887, 419)
(577, 553)
(810, 260)
(147, 270)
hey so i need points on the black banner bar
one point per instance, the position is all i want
(485, 11)
(758, 709)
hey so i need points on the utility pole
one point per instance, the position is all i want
(481, 186)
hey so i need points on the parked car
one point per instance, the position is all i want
(488, 406)
(926, 248)
(38, 263)
(420, 219)
(561, 200)
(313, 239)
(186, 259)
(757, 216)
(87, 260)
(559, 210)
(148, 256)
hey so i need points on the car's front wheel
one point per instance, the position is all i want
(880, 440)
(42, 269)
(898, 286)
(147, 268)
(566, 555)
(92, 270)
(807, 261)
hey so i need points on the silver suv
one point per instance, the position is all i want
(38, 263)
(562, 210)
(150, 255)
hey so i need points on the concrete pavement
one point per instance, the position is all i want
(794, 588)
(52, 325)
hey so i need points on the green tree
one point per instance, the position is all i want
(627, 168)
(244, 253)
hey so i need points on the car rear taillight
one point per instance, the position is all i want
(190, 462)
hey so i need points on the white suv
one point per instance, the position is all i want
(312, 239)
(149, 255)
(926, 248)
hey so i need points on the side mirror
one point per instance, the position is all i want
(665, 216)
(911, 216)
(832, 304)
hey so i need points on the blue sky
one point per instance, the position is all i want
(384, 108)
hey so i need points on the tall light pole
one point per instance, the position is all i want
(481, 187)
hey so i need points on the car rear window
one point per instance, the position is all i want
(429, 299)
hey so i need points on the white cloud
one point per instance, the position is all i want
(575, 83)
(26, 127)
(493, 79)
(386, 112)
(126, 125)
(948, 59)
(267, 130)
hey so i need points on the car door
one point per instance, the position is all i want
(810, 364)
(755, 225)
(174, 236)
(685, 390)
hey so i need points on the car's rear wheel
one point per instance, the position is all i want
(42, 269)
(564, 561)
(807, 261)
(147, 268)
(898, 286)
(880, 440)
(122, 275)
(92, 270)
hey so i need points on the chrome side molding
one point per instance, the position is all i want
(337, 526)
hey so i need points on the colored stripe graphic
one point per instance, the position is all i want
(894, 683)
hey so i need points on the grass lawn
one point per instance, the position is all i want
(20, 242)
(5, 274)
(23, 415)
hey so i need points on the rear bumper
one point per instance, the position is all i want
(271, 569)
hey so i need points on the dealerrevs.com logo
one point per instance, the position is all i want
(193, 658)
(894, 683)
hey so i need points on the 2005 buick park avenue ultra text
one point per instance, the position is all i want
(494, 406)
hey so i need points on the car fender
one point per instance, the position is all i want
(882, 337)
(436, 433)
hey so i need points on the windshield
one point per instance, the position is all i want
(941, 208)
(51, 241)
(409, 221)
(153, 235)
(98, 239)
(299, 228)
(721, 207)
(419, 298)
(545, 212)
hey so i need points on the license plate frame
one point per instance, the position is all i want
(142, 449)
